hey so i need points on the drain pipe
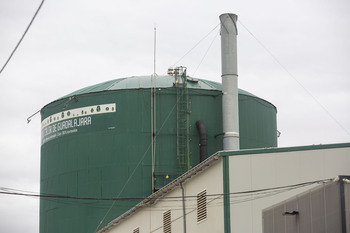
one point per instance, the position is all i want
(183, 206)
(230, 122)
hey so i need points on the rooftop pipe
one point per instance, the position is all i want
(230, 122)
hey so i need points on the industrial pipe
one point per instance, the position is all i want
(230, 121)
(203, 141)
(183, 206)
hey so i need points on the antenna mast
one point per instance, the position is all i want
(153, 111)
(154, 52)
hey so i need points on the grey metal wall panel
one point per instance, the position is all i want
(291, 220)
(268, 221)
(304, 214)
(279, 219)
(318, 211)
(332, 208)
(347, 205)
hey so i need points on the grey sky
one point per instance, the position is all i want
(73, 44)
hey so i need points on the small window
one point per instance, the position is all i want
(201, 205)
(167, 222)
(137, 230)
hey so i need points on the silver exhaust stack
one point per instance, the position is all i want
(230, 121)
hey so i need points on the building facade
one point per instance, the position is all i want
(228, 191)
(325, 208)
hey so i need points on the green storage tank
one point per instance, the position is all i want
(97, 144)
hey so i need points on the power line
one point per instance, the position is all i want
(196, 44)
(295, 79)
(25, 32)
(205, 54)
(249, 193)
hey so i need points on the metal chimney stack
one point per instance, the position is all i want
(229, 77)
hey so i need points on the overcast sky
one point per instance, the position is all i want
(73, 44)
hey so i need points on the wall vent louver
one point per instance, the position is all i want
(201, 205)
(167, 222)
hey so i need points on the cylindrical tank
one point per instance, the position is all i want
(96, 143)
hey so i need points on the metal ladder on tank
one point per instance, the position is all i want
(183, 115)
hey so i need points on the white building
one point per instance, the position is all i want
(254, 179)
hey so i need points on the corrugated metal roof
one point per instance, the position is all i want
(144, 82)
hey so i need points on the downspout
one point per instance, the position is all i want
(203, 141)
(183, 207)
(230, 122)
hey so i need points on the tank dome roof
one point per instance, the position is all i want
(144, 82)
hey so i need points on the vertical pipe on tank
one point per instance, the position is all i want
(203, 141)
(230, 122)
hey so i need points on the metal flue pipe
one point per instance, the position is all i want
(230, 121)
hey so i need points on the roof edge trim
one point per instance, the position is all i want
(284, 149)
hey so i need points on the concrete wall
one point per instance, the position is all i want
(260, 170)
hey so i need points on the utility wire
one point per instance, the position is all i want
(25, 32)
(219, 202)
(196, 44)
(206, 52)
(295, 79)
(241, 194)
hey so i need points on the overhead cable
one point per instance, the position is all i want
(295, 79)
(25, 32)
(206, 52)
(196, 44)
(266, 191)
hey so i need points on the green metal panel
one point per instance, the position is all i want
(257, 123)
(96, 143)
